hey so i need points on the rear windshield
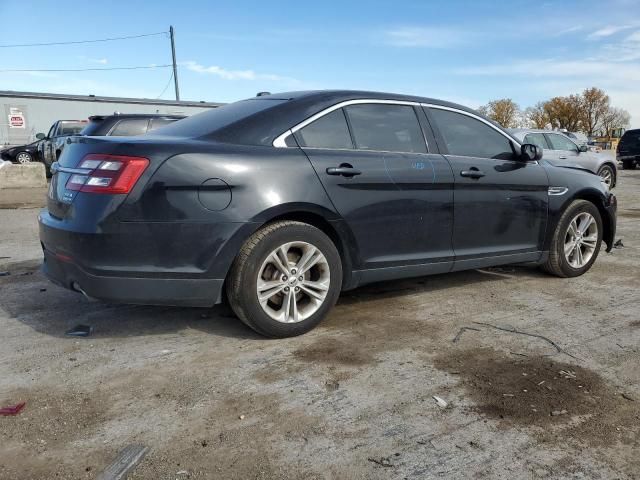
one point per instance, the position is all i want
(212, 120)
(631, 138)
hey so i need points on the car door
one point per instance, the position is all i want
(47, 148)
(500, 202)
(562, 148)
(395, 196)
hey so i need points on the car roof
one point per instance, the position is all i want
(135, 115)
(342, 95)
(521, 132)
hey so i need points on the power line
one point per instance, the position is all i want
(82, 41)
(166, 86)
(84, 69)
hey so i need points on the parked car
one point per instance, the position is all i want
(562, 151)
(126, 124)
(628, 150)
(52, 144)
(280, 202)
(21, 153)
(577, 137)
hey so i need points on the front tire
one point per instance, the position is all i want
(576, 240)
(286, 278)
(24, 157)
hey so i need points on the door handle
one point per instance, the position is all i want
(473, 172)
(562, 158)
(344, 169)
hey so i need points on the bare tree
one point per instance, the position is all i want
(504, 111)
(614, 119)
(536, 117)
(595, 105)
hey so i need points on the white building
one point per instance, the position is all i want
(27, 113)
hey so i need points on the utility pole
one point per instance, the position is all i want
(175, 67)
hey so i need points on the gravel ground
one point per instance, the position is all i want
(540, 376)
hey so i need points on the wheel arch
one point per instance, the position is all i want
(332, 226)
(597, 199)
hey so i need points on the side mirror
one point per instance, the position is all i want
(583, 148)
(40, 136)
(530, 152)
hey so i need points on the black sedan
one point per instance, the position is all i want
(279, 202)
(21, 153)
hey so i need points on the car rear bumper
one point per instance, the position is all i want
(156, 263)
(132, 290)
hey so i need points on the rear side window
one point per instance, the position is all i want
(329, 131)
(466, 136)
(129, 128)
(560, 142)
(537, 139)
(391, 128)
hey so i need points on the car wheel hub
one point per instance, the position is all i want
(293, 282)
(581, 239)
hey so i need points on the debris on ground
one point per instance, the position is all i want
(4, 274)
(383, 461)
(80, 331)
(124, 463)
(461, 331)
(555, 413)
(12, 409)
(618, 244)
(440, 402)
(626, 396)
(241, 417)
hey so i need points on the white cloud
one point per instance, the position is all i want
(608, 31)
(429, 37)
(235, 74)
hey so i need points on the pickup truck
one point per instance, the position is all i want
(52, 143)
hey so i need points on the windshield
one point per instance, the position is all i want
(70, 128)
(212, 120)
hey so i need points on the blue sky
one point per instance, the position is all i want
(465, 51)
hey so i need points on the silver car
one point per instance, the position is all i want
(561, 150)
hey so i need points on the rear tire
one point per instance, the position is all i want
(294, 297)
(629, 164)
(576, 240)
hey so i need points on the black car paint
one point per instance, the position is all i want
(628, 149)
(10, 154)
(173, 239)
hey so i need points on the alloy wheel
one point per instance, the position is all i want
(23, 157)
(293, 282)
(607, 176)
(580, 240)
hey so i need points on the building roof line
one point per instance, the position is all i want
(101, 99)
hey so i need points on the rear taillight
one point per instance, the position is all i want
(107, 173)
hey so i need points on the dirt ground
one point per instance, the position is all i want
(540, 375)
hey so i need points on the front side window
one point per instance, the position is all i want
(329, 131)
(560, 142)
(129, 128)
(537, 139)
(390, 128)
(469, 137)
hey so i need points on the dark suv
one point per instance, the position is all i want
(126, 125)
(628, 151)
